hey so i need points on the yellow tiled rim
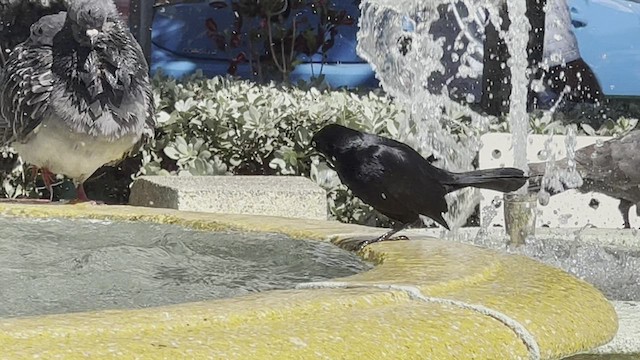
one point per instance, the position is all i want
(425, 299)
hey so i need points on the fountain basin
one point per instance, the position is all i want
(426, 298)
(607, 258)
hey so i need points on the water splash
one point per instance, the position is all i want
(395, 39)
(516, 39)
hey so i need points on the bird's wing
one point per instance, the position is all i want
(148, 104)
(139, 104)
(25, 87)
(419, 185)
(400, 181)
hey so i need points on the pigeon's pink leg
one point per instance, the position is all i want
(33, 171)
(48, 178)
(81, 197)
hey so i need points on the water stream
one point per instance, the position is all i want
(411, 55)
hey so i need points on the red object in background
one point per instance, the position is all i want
(123, 6)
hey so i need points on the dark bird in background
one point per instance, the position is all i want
(16, 18)
(76, 94)
(611, 168)
(396, 180)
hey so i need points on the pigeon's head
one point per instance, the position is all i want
(44, 30)
(91, 20)
(334, 139)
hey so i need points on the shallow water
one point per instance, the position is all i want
(59, 266)
(612, 270)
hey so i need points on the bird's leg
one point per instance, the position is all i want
(81, 196)
(48, 178)
(33, 170)
(624, 208)
(385, 236)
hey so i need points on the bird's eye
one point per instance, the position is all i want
(313, 143)
(39, 31)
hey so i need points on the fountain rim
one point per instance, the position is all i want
(426, 284)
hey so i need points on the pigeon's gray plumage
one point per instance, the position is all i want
(611, 168)
(76, 94)
(17, 16)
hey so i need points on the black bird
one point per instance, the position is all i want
(611, 168)
(396, 180)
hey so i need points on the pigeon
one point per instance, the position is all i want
(396, 180)
(76, 94)
(611, 168)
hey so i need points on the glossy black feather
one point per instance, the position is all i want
(396, 180)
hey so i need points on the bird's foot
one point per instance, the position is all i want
(380, 239)
(357, 244)
(81, 197)
(49, 179)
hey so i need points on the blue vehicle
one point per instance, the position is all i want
(182, 43)
(608, 33)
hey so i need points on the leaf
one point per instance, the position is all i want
(253, 97)
(392, 129)
(172, 153)
(181, 145)
(303, 136)
(588, 129)
(277, 163)
(185, 105)
(163, 118)
(255, 114)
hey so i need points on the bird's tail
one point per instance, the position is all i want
(536, 172)
(499, 179)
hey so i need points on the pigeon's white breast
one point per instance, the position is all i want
(76, 155)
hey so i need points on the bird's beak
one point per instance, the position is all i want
(92, 34)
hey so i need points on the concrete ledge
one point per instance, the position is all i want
(426, 299)
(287, 196)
